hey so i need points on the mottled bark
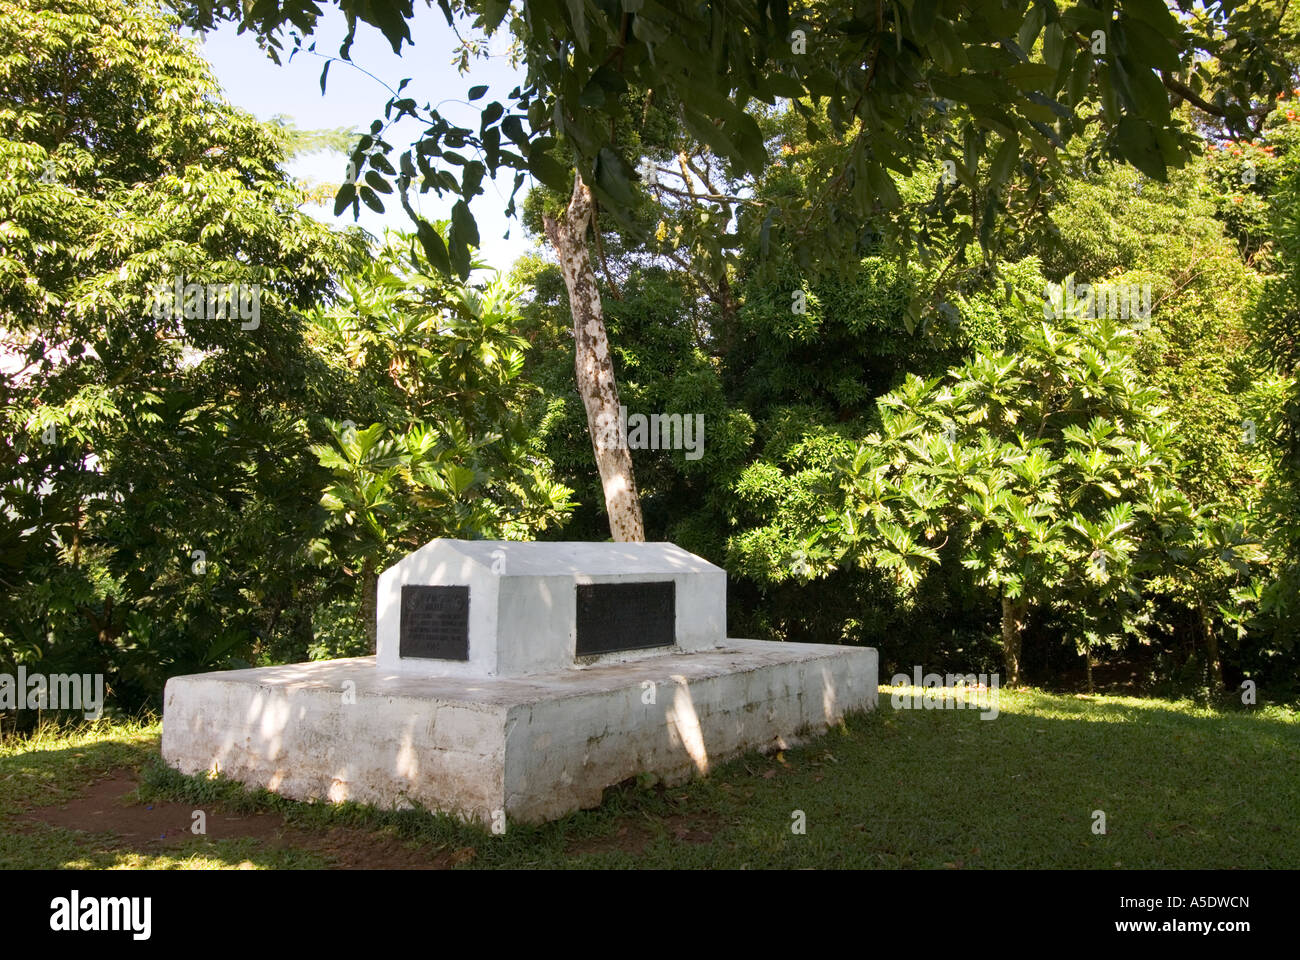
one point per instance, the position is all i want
(1013, 623)
(594, 365)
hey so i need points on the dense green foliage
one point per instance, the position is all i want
(899, 446)
(799, 357)
(1016, 81)
(1048, 465)
(178, 492)
(1275, 325)
(157, 495)
(442, 449)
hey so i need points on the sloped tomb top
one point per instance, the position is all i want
(545, 559)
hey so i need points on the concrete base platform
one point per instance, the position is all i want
(531, 749)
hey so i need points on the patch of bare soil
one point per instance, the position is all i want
(634, 837)
(626, 839)
(106, 808)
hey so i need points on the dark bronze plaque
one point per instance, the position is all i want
(625, 616)
(435, 623)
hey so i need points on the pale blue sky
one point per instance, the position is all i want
(252, 81)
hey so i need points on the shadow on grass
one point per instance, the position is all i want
(56, 765)
(1179, 785)
(460, 843)
(42, 847)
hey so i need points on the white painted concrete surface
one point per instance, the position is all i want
(522, 609)
(535, 746)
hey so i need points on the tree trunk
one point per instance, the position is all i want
(1211, 648)
(1013, 622)
(369, 601)
(594, 365)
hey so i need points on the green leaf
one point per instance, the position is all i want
(513, 127)
(592, 96)
(1146, 43)
(1053, 45)
(472, 179)
(542, 166)
(747, 137)
(1031, 76)
(1080, 79)
(370, 200)
(1003, 161)
(968, 88)
(1032, 26)
(1136, 139)
(988, 219)
(458, 478)
(613, 177)
(1156, 14)
(784, 85)
(435, 250)
(491, 114)
(704, 129)
(1141, 88)
(344, 198)
(462, 235)
(578, 18)
(922, 17)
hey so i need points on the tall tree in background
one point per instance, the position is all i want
(594, 364)
(1023, 78)
(1276, 324)
(179, 487)
(156, 487)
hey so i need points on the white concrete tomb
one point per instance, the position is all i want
(524, 603)
(518, 680)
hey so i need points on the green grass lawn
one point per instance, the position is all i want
(1181, 786)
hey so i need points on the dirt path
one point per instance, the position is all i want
(108, 808)
(159, 825)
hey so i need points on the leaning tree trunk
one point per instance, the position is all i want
(1013, 624)
(594, 365)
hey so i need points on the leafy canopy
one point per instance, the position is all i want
(1021, 79)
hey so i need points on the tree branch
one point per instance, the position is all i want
(1187, 93)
